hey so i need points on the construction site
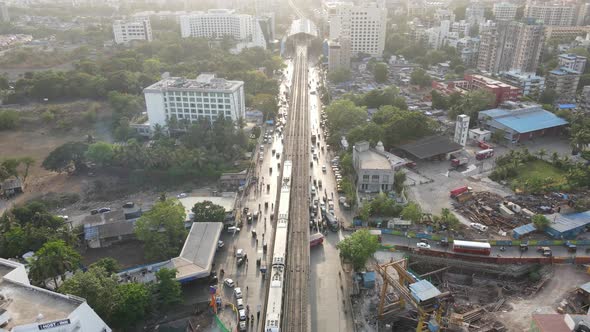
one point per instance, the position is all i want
(503, 214)
(423, 293)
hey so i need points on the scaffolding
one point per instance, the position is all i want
(430, 311)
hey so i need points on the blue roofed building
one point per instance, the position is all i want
(521, 122)
(523, 230)
(568, 226)
(423, 291)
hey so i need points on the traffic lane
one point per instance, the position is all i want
(509, 251)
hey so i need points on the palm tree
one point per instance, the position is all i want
(554, 158)
(53, 260)
(541, 153)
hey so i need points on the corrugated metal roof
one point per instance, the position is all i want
(563, 223)
(423, 290)
(525, 120)
(586, 287)
(525, 229)
(199, 249)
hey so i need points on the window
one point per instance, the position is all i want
(385, 178)
(365, 178)
(375, 178)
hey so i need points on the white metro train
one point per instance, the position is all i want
(274, 303)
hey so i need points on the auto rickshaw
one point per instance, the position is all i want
(266, 205)
(253, 233)
(268, 187)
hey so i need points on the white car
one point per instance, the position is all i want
(240, 304)
(242, 314)
(238, 292)
(324, 168)
(229, 282)
(181, 195)
(423, 245)
(220, 244)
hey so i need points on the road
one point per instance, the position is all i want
(248, 277)
(296, 304)
(328, 300)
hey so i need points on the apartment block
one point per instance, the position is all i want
(560, 14)
(219, 23)
(364, 24)
(475, 14)
(503, 92)
(504, 11)
(572, 61)
(510, 45)
(188, 100)
(338, 54)
(530, 83)
(136, 28)
(564, 82)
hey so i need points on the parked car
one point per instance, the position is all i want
(128, 205)
(238, 292)
(229, 282)
(220, 244)
(423, 245)
(240, 304)
(104, 210)
(181, 195)
(324, 168)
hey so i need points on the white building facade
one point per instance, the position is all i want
(560, 14)
(363, 24)
(461, 129)
(572, 61)
(219, 23)
(27, 308)
(375, 168)
(134, 29)
(189, 100)
(530, 83)
(504, 11)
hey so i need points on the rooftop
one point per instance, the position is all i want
(566, 222)
(431, 146)
(571, 56)
(26, 304)
(205, 81)
(524, 120)
(196, 257)
(423, 290)
(303, 26)
(376, 158)
(227, 201)
(564, 71)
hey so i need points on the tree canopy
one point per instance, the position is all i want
(420, 77)
(412, 212)
(358, 248)
(53, 260)
(380, 72)
(162, 230)
(68, 156)
(339, 75)
(167, 289)
(472, 103)
(209, 212)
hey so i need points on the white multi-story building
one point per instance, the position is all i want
(137, 28)
(461, 129)
(437, 36)
(363, 24)
(572, 61)
(560, 14)
(205, 97)
(219, 23)
(504, 11)
(530, 83)
(461, 28)
(27, 308)
(475, 14)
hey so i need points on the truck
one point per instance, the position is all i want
(484, 154)
(458, 191)
(484, 145)
(464, 197)
(458, 162)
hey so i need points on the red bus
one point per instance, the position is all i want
(471, 247)
(316, 239)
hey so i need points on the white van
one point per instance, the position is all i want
(479, 226)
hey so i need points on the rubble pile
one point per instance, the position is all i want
(486, 208)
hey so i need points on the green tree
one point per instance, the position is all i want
(380, 72)
(358, 248)
(96, 286)
(420, 77)
(412, 212)
(439, 101)
(9, 119)
(548, 96)
(449, 219)
(109, 264)
(131, 303)
(162, 230)
(399, 180)
(343, 115)
(101, 153)
(167, 289)
(266, 103)
(339, 75)
(540, 221)
(472, 103)
(53, 260)
(206, 211)
(66, 156)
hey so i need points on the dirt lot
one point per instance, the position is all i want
(566, 278)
